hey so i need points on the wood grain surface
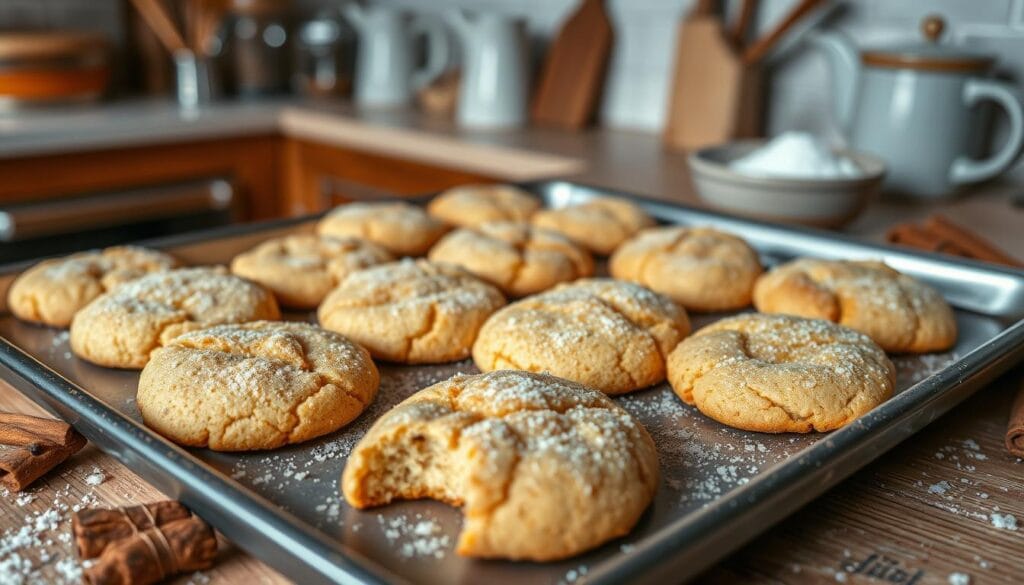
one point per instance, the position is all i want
(897, 509)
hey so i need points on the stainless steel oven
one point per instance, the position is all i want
(32, 229)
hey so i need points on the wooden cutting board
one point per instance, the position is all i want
(573, 73)
(715, 97)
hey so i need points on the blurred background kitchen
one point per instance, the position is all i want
(122, 119)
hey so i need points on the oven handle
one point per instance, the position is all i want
(68, 216)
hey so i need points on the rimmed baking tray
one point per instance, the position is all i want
(719, 488)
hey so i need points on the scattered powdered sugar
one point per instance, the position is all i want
(40, 549)
(573, 575)
(1004, 521)
(959, 579)
(96, 477)
(939, 488)
(416, 537)
(912, 369)
(25, 499)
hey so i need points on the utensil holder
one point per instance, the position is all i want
(196, 82)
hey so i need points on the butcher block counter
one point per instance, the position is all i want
(946, 506)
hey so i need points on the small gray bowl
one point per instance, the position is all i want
(828, 203)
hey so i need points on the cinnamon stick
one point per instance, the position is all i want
(911, 235)
(154, 554)
(31, 446)
(1015, 429)
(95, 529)
(974, 244)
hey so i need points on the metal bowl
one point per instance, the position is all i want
(829, 203)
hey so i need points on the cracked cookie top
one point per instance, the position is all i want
(52, 291)
(257, 385)
(515, 256)
(120, 328)
(401, 228)
(301, 269)
(544, 468)
(701, 268)
(779, 373)
(472, 205)
(607, 334)
(899, 312)
(599, 225)
(411, 311)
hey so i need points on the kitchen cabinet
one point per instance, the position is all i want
(319, 176)
(273, 176)
(251, 164)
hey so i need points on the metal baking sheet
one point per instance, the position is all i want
(719, 487)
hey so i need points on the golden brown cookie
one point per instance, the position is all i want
(301, 269)
(701, 268)
(607, 334)
(780, 374)
(515, 256)
(599, 225)
(543, 468)
(412, 311)
(258, 385)
(472, 205)
(120, 328)
(52, 291)
(900, 313)
(401, 228)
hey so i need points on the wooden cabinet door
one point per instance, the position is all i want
(320, 176)
(250, 163)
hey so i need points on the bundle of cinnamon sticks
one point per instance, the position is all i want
(938, 234)
(140, 545)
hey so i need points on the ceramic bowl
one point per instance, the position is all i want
(828, 203)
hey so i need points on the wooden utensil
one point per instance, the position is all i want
(573, 71)
(740, 27)
(155, 15)
(756, 51)
(715, 98)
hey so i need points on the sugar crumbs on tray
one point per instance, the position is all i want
(415, 537)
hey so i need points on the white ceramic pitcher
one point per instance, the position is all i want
(385, 73)
(494, 76)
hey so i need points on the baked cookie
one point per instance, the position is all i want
(120, 328)
(543, 468)
(401, 228)
(301, 269)
(514, 256)
(780, 374)
(52, 291)
(472, 205)
(607, 334)
(900, 313)
(412, 311)
(599, 225)
(701, 268)
(257, 385)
